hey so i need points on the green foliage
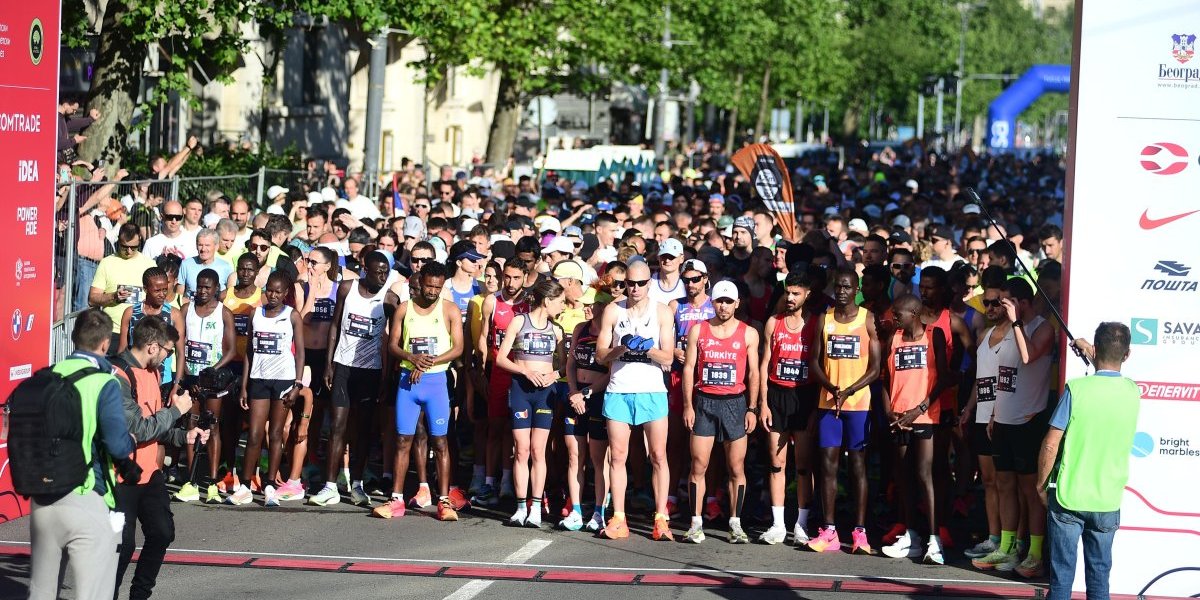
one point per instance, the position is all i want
(230, 159)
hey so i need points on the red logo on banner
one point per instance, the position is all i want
(1157, 390)
(1170, 168)
(1147, 222)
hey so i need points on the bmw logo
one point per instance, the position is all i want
(16, 324)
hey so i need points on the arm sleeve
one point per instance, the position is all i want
(1062, 413)
(110, 417)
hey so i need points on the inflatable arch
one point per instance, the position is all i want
(1003, 112)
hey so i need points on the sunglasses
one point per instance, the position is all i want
(723, 300)
(416, 261)
(618, 284)
(696, 279)
(899, 267)
(666, 257)
(637, 282)
(259, 247)
(421, 206)
(977, 251)
(172, 217)
(313, 263)
(129, 246)
(992, 303)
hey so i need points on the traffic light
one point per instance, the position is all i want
(949, 84)
(929, 86)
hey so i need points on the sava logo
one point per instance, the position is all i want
(1176, 278)
(1152, 332)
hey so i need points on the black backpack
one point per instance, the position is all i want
(45, 434)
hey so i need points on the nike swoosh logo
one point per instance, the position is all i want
(1147, 223)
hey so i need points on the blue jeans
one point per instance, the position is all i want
(1064, 527)
(85, 272)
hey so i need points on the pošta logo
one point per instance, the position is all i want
(1176, 278)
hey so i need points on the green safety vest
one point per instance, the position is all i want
(89, 396)
(1094, 464)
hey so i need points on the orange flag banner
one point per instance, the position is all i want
(768, 177)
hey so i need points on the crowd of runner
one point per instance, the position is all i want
(558, 336)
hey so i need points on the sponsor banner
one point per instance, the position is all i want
(1132, 221)
(29, 43)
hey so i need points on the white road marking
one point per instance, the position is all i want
(475, 586)
(697, 571)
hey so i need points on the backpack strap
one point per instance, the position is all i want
(127, 369)
(75, 377)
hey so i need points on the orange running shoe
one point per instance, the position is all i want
(445, 509)
(617, 529)
(228, 483)
(662, 529)
(458, 500)
(391, 508)
(422, 499)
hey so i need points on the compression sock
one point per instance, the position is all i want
(1007, 539)
(1035, 546)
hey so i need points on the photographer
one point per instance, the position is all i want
(146, 499)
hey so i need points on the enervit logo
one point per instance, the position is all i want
(19, 372)
(1144, 332)
(1164, 158)
(1164, 390)
(1176, 278)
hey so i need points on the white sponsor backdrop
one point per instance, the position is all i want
(1133, 230)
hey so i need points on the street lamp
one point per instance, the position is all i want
(964, 11)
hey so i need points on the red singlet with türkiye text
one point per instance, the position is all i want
(790, 351)
(721, 363)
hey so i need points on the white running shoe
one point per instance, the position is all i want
(328, 496)
(269, 498)
(799, 536)
(906, 546)
(596, 523)
(358, 497)
(776, 534)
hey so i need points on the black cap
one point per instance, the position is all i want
(943, 231)
(503, 249)
(899, 237)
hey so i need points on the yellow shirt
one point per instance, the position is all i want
(425, 334)
(847, 353)
(243, 312)
(115, 273)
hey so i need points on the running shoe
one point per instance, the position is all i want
(800, 536)
(187, 493)
(227, 484)
(695, 534)
(861, 546)
(343, 480)
(212, 496)
(358, 497)
(944, 535)
(596, 523)
(290, 490)
(518, 518)
(256, 483)
(573, 522)
(737, 535)
(662, 529)
(908, 545)
(328, 496)
(506, 490)
(981, 549)
(933, 554)
(774, 535)
(712, 509)
(269, 498)
(393, 508)
(422, 499)
(458, 500)
(240, 496)
(1030, 568)
(826, 541)
(616, 529)
(476, 485)
(533, 520)
(445, 509)
(487, 496)
(893, 534)
(1000, 561)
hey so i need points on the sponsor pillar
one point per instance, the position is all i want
(1132, 221)
(29, 44)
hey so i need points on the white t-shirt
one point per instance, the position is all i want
(183, 244)
(360, 207)
(945, 265)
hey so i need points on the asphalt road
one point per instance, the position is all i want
(299, 552)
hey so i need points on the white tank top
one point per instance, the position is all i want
(273, 346)
(997, 373)
(666, 296)
(361, 333)
(1033, 386)
(204, 342)
(634, 372)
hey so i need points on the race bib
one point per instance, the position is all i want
(267, 342)
(539, 344)
(323, 309)
(197, 353)
(360, 326)
(635, 356)
(241, 324)
(986, 388)
(423, 345)
(585, 354)
(911, 357)
(844, 346)
(791, 369)
(500, 338)
(1007, 382)
(718, 374)
(135, 293)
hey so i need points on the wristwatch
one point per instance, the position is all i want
(924, 406)
(1018, 323)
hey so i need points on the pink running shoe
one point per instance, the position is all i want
(394, 508)
(826, 541)
(290, 490)
(861, 546)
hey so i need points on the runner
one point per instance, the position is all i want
(477, 386)
(156, 286)
(242, 301)
(844, 365)
(317, 305)
(208, 343)
(789, 404)
(635, 337)
(357, 374)
(573, 418)
(694, 308)
(270, 382)
(584, 376)
(917, 373)
(665, 286)
(426, 336)
(498, 312)
(720, 403)
(533, 341)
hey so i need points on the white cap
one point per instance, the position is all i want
(315, 197)
(725, 289)
(672, 247)
(694, 265)
(467, 225)
(329, 194)
(211, 219)
(831, 210)
(971, 209)
(548, 223)
(911, 184)
(858, 225)
(560, 243)
(275, 190)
